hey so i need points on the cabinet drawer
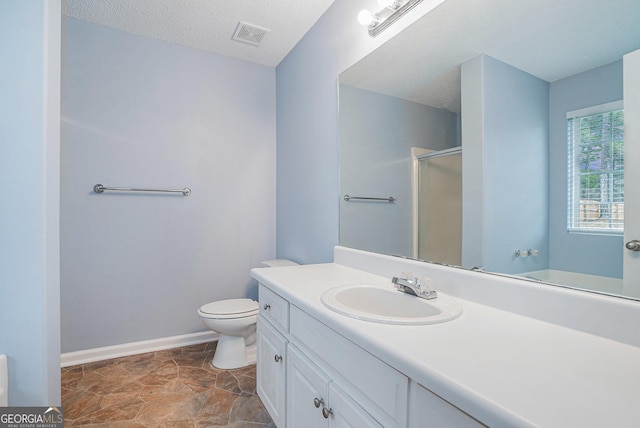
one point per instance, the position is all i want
(274, 308)
(378, 387)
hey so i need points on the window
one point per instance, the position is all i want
(596, 169)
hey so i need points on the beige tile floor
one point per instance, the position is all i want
(175, 388)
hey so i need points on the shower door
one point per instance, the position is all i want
(439, 220)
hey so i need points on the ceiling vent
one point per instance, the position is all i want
(249, 33)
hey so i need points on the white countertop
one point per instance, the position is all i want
(502, 368)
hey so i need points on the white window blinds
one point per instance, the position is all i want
(596, 169)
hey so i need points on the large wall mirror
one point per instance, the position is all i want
(489, 135)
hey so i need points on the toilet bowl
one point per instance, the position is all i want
(235, 321)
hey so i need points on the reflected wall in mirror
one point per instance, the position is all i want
(495, 80)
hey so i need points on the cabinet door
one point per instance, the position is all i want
(271, 370)
(346, 413)
(307, 392)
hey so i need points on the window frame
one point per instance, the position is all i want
(573, 180)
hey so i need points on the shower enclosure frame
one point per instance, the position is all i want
(418, 154)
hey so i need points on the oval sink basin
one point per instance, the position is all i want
(389, 306)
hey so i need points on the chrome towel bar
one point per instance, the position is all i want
(99, 188)
(390, 199)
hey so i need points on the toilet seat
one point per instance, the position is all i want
(230, 308)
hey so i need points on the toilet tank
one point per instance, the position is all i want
(278, 263)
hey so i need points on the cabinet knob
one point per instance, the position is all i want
(266, 307)
(278, 358)
(326, 412)
(318, 402)
(633, 245)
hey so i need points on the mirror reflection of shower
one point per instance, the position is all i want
(437, 205)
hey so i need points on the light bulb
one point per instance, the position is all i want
(366, 18)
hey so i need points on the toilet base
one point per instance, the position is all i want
(232, 352)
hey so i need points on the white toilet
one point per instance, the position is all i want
(235, 321)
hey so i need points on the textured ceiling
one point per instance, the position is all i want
(550, 39)
(208, 24)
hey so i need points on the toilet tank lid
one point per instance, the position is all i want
(278, 263)
(230, 307)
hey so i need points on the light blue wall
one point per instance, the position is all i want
(472, 131)
(144, 113)
(483, 116)
(508, 134)
(29, 173)
(377, 133)
(307, 127)
(593, 254)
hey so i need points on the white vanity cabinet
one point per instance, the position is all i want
(311, 376)
(299, 364)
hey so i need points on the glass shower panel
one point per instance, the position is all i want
(440, 209)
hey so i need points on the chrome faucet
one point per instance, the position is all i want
(413, 286)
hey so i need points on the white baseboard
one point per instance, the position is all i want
(107, 352)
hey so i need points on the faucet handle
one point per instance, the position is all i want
(406, 275)
(425, 283)
(425, 288)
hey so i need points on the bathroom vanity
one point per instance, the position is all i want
(495, 365)
(310, 375)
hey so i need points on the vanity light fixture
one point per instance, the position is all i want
(392, 10)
